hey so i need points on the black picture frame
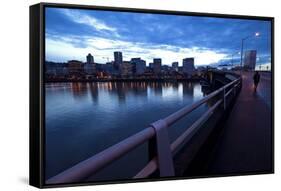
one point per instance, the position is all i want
(37, 91)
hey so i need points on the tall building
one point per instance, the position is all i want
(250, 58)
(90, 59)
(175, 66)
(188, 66)
(118, 59)
(157, 62)
(126, 68)
(90, 67)
(140, 65)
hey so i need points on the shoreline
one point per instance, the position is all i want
(124, 80)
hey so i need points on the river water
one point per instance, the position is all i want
(83, 119)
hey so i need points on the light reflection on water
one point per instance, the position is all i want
(83, 119)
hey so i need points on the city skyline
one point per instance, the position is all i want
(73, 33)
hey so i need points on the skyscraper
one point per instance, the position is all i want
(90, 59)
(157, 62)
(250, 58)
(126, 68)
(140, 65)
(188, 66)
(90, 67)
(118, 59)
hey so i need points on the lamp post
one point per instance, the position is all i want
(242, 47)
(232, 57)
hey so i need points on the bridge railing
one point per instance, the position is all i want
(161, 152)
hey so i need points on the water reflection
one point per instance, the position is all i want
(123, 89)
(79, 90)
(93, 88)
(83, 119)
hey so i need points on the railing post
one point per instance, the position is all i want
(160, 146)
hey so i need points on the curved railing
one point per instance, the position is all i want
(157, 135)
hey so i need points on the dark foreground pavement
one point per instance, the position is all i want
(245, 145)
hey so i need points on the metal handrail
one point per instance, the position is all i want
(187, 135)
(95, 163)
(173, 118)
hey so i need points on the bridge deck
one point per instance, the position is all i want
(245, 144)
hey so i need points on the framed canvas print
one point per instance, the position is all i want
(127, 95)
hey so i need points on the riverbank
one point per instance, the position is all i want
(124, 80)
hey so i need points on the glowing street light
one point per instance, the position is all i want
(242, 46)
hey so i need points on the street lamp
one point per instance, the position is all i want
(232, 57)
(242, 47)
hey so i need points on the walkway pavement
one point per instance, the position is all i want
(246, 142)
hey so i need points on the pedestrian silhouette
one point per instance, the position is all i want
(256, 79)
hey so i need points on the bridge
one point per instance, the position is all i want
(233, 136)
(245, 144)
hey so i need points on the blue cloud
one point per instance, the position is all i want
(220, 35)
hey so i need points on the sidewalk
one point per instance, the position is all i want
(246, 143)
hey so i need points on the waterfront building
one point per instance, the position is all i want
(250, 58)
(50, 68)
(118, 59)
(166, 69)
(188, 66)
(61, 69)
(75, 67)
(109, 67)
(90, 67)
(126, 68)
(139, 65)
(65, 71)
(55, 69)
(175, 66)
(90, 59)
(157, 62)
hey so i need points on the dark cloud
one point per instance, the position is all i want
(217, 34)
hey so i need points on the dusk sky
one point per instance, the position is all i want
(73, 33)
